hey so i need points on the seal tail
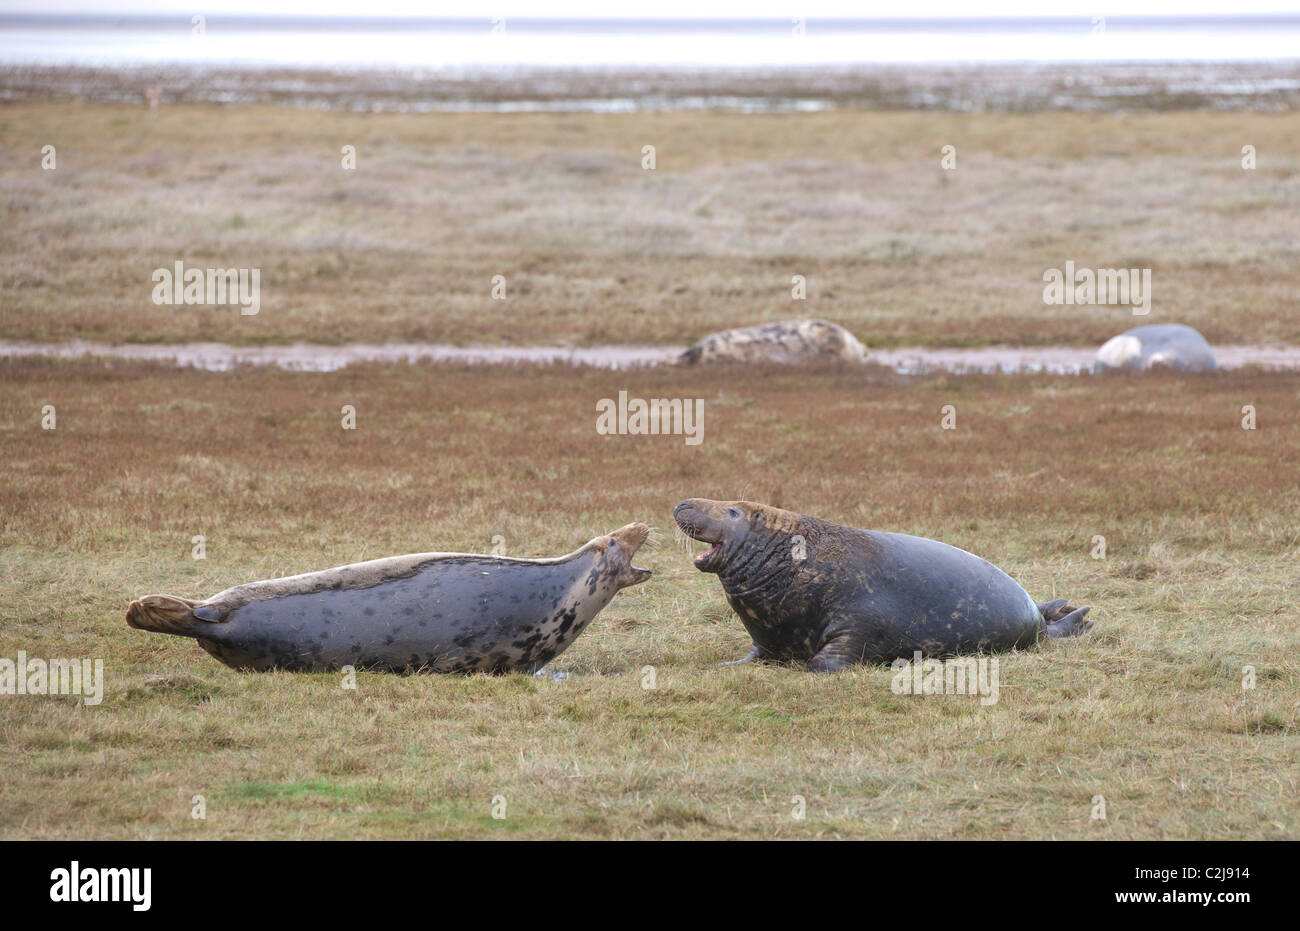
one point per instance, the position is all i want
(1061, 619)
(168, 614)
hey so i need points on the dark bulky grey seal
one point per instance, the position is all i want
(1158, 345)
(828, 596)
(427, 612)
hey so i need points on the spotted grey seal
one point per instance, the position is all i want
(426, 612)
(1159, 345)
(793, 341)
(829, 596)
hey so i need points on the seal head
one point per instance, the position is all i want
(618, 548)
(734, 528)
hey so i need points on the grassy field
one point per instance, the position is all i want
(1199, 580)
(594, 249)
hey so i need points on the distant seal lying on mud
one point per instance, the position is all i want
(1159, 345)
(427, 612)
(829, 596)
(794, 341)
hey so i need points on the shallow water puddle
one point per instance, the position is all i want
(307, 357)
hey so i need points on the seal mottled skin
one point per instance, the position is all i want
(789, 342)
(427, 612)
(828, 596)
(1158, 345)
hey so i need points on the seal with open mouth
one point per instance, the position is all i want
(427, 612)
(829, 596)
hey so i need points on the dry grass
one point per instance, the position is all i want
(594, 249)
(1199, 515)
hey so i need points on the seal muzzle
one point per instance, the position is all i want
(705, 520)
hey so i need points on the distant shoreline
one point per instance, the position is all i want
(1015, 88)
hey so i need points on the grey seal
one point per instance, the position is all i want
(828, 596)
(1158, 345)
(425, 612)
(789, 342)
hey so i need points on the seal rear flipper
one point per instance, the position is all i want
(1054, 610)
(1070, 625)
(168, 614)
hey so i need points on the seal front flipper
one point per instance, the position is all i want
(168, 614)
(839, 653)
(843, 644)
(828, 662)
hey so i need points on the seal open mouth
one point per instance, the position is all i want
(698, 524)
(704, 557)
